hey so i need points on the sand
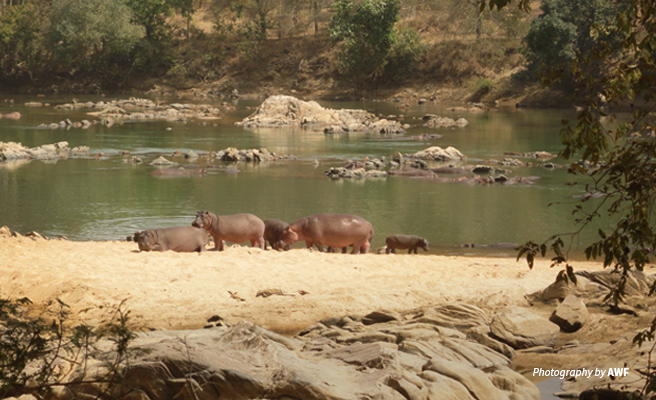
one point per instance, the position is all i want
(182, 290)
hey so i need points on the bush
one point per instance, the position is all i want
(91, 34)
(367, 31)
(40, 352)
(402, 57)
(22, 53)
(564, 29)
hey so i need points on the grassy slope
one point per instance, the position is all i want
(454, 66)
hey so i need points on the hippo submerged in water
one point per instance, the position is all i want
(179, 238)
(236, 228)
(334, 230)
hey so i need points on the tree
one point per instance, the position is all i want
(91, 34)
(22, 52)
(563, 30)
(367, 29)
(152, 14)
(617, 161)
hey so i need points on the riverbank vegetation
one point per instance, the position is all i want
(320, 48)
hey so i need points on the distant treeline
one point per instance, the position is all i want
(107, 42)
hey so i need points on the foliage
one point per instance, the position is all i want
(38, 353)
(367, 29)
(21, 47)
(403, 54)
(152, 14)
(563, 30)
(88, 34)
(618, 151)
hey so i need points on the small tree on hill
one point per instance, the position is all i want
(367, 30)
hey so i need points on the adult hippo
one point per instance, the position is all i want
(178, 238)
(273, 229)
(402, 242)
(236, 228)
(334, 230)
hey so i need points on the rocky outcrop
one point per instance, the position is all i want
(288, 111)
(435, 121)
(355, 173)
(136, 109)
(16, 151)
(593, 287)
(233, 154)
(436, 153)
(522, 329)
(571, 314)
(383, 355)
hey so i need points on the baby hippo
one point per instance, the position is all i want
(403, 242)
(273, 229)
(179, 238)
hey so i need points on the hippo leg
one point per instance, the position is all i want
(319, 246)
(357, 247)
(388, 250)
(309, 243)
(259, 242)
(218, 245)
(364, 249)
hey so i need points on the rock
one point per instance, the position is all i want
(571, 314)
(522, 329)
(437, 153)
(392, 359)
(288, 111)
(162, 161)
(435, 121)
(377, 317)
(16, 151)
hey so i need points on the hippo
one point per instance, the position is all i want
(236, 228)
(13, 115)
(273, 229)
(178, 238)
(334, 230)
(402, 242)
(134, 237)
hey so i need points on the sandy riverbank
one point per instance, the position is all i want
(182, 290)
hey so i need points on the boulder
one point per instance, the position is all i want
(436, 153)
(435, 121)
(571, 314)
(288, 111)
(391, 358)
(522, 329)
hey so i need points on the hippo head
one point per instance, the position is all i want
(202, 220)
(288, 236)
(146, 240)
(424, 244)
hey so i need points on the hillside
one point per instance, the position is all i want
(220, 49)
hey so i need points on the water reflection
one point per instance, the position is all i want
(86, 198)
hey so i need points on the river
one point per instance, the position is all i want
(103, 199)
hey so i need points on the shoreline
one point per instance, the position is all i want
(173, 291)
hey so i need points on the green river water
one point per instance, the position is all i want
(89, 199)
